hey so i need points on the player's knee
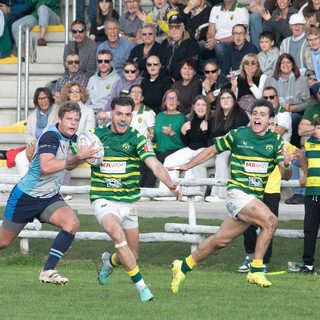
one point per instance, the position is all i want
(272, 223)
(219, 242)
(4, 243)
(72, 225)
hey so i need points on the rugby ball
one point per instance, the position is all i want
(87, 138)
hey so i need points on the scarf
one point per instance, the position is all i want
(162, 11)
(286, 89)
(316, 62)
(42, 120)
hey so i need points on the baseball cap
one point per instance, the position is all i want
(175, 19)
(297, 19)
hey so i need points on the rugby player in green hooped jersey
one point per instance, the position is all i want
(115, 188)
(255, 151)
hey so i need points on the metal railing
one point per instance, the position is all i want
(23, 28)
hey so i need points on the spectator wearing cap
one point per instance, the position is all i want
(83, 46)
(297, 43)
(223, 18)
(177, 46)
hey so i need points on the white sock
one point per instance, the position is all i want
(140, 284)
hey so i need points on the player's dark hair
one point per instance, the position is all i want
(264, 103)
(122, 101)
(68, 106)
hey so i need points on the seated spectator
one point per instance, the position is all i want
(177, 46)
(122, 86)
(249, 84)
(83, 46)
(311, 12)
(159, 16)
(118, 46)
(5, 43)
(219, 36)
(297, 43)
(13, 11)
(104, 11)
(155, 84)
(75, 91)
(189, 86)
(72, 74)
(195, 135)
(131, 21)
(312, 60)
(228, 116)
(166, 134)
(44, 115)
(196, 16)
(278, 22)
(293, 91)
(148, 47)
(44, 13)
(101, 84)
(269, 54)
(239, 48)
(214, 81)
(143, 118)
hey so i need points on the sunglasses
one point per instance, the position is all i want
(103, 61)
(247, 63)
(74, 31)
(73, 62)
(269, 97)
(147, 34)
(210, 71)
(155, 64)
(130, 71)
(75, 91)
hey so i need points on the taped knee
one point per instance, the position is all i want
(121, 244)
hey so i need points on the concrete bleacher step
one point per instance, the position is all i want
(54, 33)
(51, 54)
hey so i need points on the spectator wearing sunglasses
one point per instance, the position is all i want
(148, 47)
(155, 84)
(122, 86)
(101, 84)
(44, 13)
(83, 46)
(214, 81)
(71, 74)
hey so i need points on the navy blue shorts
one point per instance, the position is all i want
(22, 208)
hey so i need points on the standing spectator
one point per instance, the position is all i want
(155, 84)
(5, 43)
(44, 115)
(14, 10)
(293, 91)
(83, 46)
(148, 47)
(189, 86)
(119, 47)
(166, 134)
(278, 22)
(72, 74)
(223, 17)
(214, 81)
(239, 48)
(297, 43)
(313, 60)
(311, 218)
(132, 20)
(44, 13)
(228, 116)
(178, 45)
(268, 56)
(104, 11)
(100, 85)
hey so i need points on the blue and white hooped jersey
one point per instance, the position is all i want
(35, 183)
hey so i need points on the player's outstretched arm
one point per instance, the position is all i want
(162, 174)
(285, 165)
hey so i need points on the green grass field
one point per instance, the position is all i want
(214, 290)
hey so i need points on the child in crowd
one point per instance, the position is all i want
(269, 54)
(159, 16)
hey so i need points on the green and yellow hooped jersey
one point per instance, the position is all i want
(253, 158)
(118, 176)
(312, 147)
